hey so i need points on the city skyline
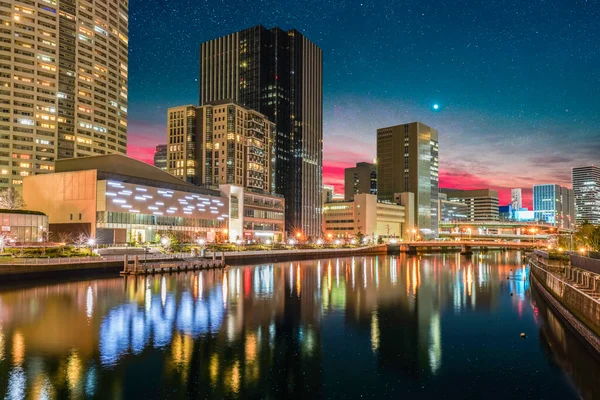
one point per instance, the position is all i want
(494, 86)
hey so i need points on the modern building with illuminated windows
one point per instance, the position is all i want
(482, 204)
(586, 190)
(279, 74)
(554, 204)
(370, 217)
(221, 143)
(63, 83)
(254, 216)
(407, 161)
(160, 157)
(360, 179)
(117, 199)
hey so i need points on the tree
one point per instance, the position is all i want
(588, 236)
(11, 199)
(65, 237)
(359, 237)
(81, 240)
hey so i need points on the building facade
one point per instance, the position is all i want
(221, 143)
(516, 199)
(21, 226)
(450, 211)
(184, 144)
(279, 74)
(407, 161)
(255, 217)
(554, 204)
(367, 215)
(482, 204)
(160, 157)
(360, 179)
(586, 190)
(64, 83)
(116, 199)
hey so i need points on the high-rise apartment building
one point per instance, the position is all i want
(279, 74)
(160, 157)
(360, 179)
(221, 143)
(407, 161)
(482, 204)
(586, 190)
(516, 199)
(184, 151)
(63, 83)
(554, 204)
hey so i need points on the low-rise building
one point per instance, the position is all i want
(364, 214)
(253, 215)
(482, 204)
(450, 211)
(23, 226)
(117, 199)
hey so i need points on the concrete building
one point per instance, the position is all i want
(482, 203)
(586, 190)
(360, 179)
(184, 144)
(279, 74)
(221, 143)
(160, 157)
(254, 216)
(554, 204)
(365, 214)
(23, 226)
(407, 161)
(117, 199)
(327, 194)
(451, 210)
(516, 199)
(64, 83)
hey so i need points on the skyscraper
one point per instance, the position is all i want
(554, 204)
(184, 151)
(360, 179)
(160, 157)
(586, 190)
(64, 83)
(279, 74)
(407, 161)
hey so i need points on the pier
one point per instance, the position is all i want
(134, 267)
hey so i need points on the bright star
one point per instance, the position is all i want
(436, 106)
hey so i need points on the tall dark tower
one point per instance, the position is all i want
(279, 74)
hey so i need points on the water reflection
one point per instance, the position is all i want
(323, 328)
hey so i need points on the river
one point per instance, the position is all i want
(410, 327)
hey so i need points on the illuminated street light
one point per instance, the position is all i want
(91, 241)
(319, 241)
(201, 242)
(164, 241)
(291, 242)
(337, 241)
(268, 241)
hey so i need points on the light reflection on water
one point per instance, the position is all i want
(300, 329)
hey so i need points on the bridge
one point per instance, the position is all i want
(526, 226)
(492, 236)
(465, 246)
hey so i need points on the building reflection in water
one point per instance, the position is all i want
(250, 330)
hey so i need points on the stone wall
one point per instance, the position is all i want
(584, 307)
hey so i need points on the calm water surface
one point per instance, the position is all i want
(435, 326)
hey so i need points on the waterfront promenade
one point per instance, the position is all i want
(574, 292)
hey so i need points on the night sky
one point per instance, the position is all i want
(517, 82)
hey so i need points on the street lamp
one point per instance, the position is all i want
(319, 241)
(291, 242)
(91, 242)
